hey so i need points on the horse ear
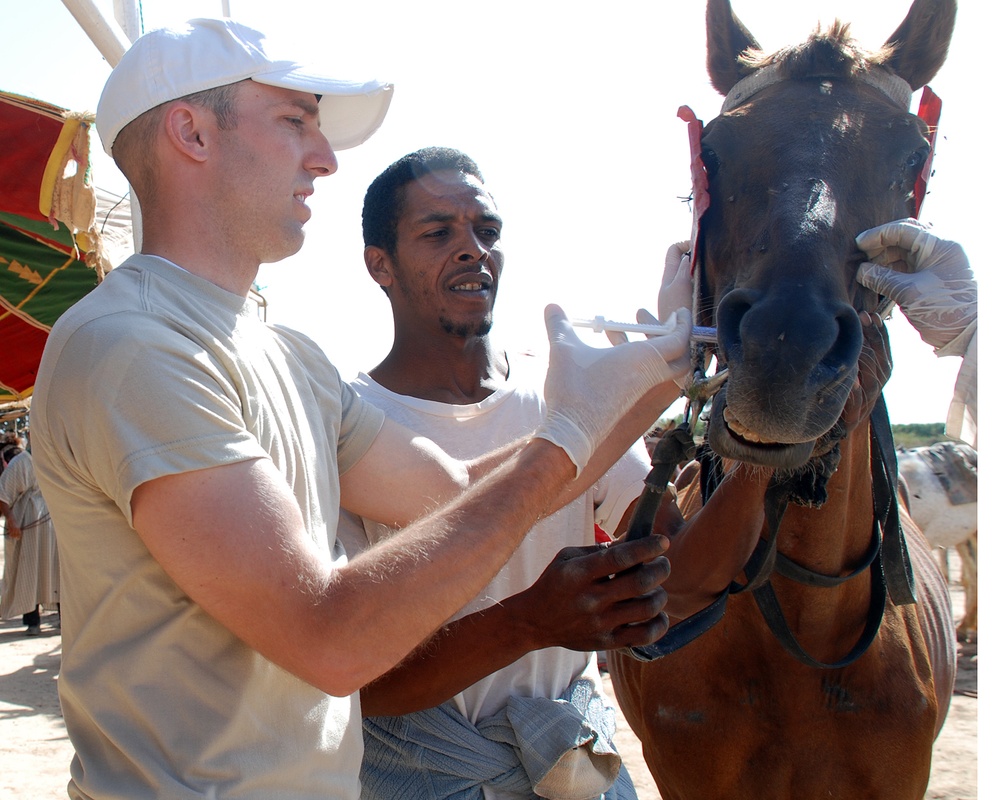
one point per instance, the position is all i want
(921, 41)
(727, 39)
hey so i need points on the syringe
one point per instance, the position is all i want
(599, 325)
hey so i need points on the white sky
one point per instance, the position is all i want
(569, 108)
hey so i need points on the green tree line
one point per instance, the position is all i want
(918, 434)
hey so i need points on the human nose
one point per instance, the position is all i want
(472, 248)
(322, 161)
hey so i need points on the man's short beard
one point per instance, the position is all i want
(467, 331)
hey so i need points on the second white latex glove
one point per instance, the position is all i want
(928, 277)
(675, 292)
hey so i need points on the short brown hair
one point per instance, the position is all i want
(135, 141)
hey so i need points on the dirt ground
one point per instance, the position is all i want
(35, 752)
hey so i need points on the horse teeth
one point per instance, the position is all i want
(742, 430)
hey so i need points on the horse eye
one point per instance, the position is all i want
(710, 160)
(918, 158)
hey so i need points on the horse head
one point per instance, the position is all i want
(815, 144)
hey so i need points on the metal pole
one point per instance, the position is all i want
(108, 38)
(128, 16)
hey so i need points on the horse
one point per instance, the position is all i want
(939, 484)
(845, 697)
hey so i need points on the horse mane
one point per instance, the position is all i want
(829, 54)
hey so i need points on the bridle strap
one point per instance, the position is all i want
(886, 560)
(897, 567)
(770, 609)
(796, 572)
(675, 446)
(892, 86)
(765, 558)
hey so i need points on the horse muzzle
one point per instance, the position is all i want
(792, 363)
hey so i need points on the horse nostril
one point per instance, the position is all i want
(847, 346)
(733, 307)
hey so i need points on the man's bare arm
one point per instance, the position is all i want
(232, 538)
(11, 527)
(403, 476)
(573, 604)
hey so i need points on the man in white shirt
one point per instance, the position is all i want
(506, 700)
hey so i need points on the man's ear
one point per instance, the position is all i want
(378, 262)
(190, 129)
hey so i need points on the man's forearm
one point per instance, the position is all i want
(458, 655)
(482, 466)
(408, 585)
(573, 604)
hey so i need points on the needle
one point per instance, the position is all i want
(599, 325)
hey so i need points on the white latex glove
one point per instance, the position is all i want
(675, 286)
(589, 389)
(929, 278)
(675, 292)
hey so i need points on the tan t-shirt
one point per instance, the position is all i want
(158, 372)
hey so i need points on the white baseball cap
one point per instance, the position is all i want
(170, 63)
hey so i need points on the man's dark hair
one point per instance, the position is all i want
(381, 211)
(7, 453)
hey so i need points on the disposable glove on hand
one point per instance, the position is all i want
(589, 389)
(675, 292)
(928, 277)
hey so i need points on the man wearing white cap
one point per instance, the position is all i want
(194, 459)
